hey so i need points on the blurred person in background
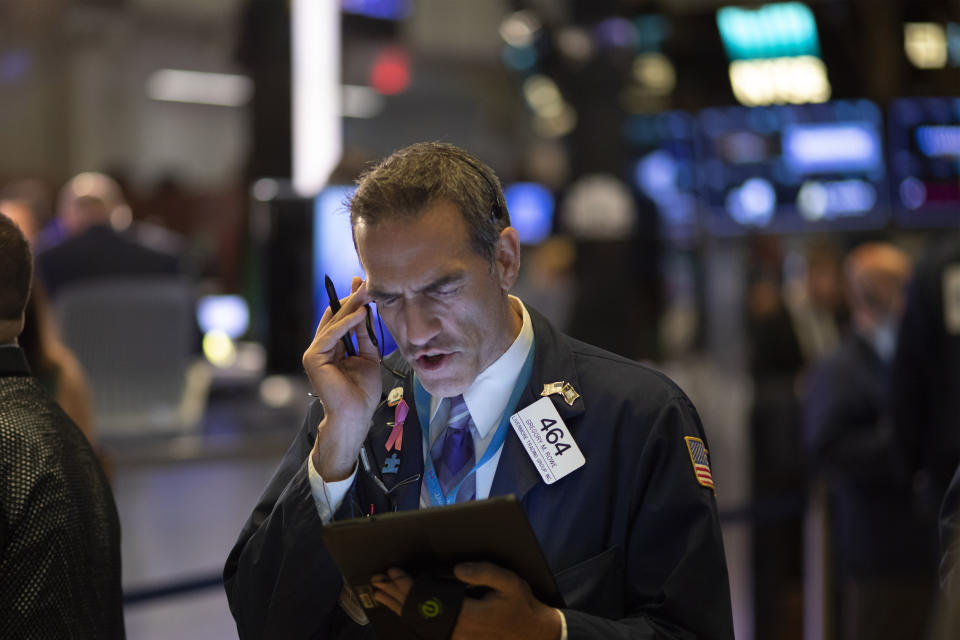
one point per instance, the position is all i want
(926, 375)
(59, 529)
(884, 557)
(35, 206)
(91, 210)
(51, 361)
(814, 300)
(776, 363)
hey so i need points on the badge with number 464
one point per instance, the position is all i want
(547, 440)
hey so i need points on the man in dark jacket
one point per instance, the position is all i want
(632, 535)
(884, 548)
(92, 247)
(59, 531)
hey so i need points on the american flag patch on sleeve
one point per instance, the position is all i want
(701, 465)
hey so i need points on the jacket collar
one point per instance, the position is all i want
(13, 362)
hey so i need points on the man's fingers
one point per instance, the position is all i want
(328, 335)
(401, 580)
(385, 593)
(357, 298)
(487, 575)
(365, 345)
(391, 590)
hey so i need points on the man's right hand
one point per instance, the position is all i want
(348, 387)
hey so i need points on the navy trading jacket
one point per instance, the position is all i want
(633, 536)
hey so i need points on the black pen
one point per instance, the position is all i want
(334, 307)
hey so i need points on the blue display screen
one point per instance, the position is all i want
(381, 9)
(924, 141)
(792, 168)
(531, 207)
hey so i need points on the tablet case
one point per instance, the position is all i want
(434, 539)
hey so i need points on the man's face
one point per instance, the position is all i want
(445, 305)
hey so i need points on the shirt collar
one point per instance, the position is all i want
(487, 397)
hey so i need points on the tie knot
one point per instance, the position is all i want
(459, 414)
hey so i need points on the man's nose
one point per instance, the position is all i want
(422, 324)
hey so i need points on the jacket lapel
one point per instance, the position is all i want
(552, 362)
(411, 455)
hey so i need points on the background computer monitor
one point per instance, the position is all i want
(792, 168)
(924, 151)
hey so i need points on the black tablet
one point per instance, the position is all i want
(494, 530)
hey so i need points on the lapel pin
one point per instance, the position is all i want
(395, 396)
(569, 394)
(562, 388)
(551, 389)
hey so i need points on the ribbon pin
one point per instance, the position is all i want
(395, 441)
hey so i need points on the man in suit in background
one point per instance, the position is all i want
(632, 536)
(884, 549)
(59, 530)
(91, 209)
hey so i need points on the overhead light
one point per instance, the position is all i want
(772, 31)
(519, 29)
(925, 44)
(542, 94)
(200, 87)
(654, 73)
(575, 44)
(362, 102)
(317, 126)
(390, 73)
(557, 124)
(794, 80)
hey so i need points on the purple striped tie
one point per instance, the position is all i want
(452, 452)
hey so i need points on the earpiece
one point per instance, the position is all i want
(497, 209)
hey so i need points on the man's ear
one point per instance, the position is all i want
(507, 258)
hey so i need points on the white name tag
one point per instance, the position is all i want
(547, 440)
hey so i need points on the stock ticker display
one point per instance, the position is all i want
(792, 168)
(924, 146)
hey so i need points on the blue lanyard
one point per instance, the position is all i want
(422, 398)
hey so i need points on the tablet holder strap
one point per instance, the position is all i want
(433, 605)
